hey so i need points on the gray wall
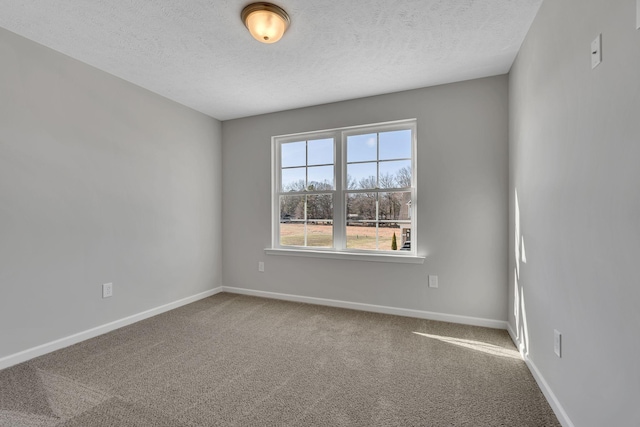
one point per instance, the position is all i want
(462, 202)
(100, 181)
(574, 157)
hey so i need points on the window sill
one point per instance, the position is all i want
(405, 259)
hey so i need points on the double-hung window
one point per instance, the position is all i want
(349, 190)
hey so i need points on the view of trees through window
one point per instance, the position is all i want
(375, 195)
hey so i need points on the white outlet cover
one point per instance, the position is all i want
(261, 266)
(433, 281)
(107, 290)
(596, 51)
(637, 14)
(557, 343)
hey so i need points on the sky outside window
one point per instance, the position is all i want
(294, 154)
(379, 160)
(307, 165)
(395, 145)
(320, 151)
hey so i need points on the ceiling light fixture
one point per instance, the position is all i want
(266, 22)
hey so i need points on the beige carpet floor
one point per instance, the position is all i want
(232, 360)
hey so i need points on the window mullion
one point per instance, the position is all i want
(306, 230)
(376, 222)
(339, 209)
(306, 166)
(276, 178)
(377, 193)
(306, 188)
(377, 160)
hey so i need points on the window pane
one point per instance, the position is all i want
(320, 220)
(387, 180)
(362, 175)
(320, 152)
(386, 231)
(361, 207)
(403, 177)
(291, 209)
(319, 207)
(293, 179)
(320, 178)
(361, 221)
(361, 148)
(395, 174)
(394, 206)
(395, 145)
(293, 154)
(403, 241)
(362, 237)
(385, 236)
(292, 234)
(292, 225)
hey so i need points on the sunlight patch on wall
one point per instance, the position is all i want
(517, 236)
(524, 342)
(516, 302)
(519, 311)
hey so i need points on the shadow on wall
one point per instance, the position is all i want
(519, 310)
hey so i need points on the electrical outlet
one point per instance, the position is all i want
(107, 290)
(261, 267)
(557, 343)
(433, 281)
(596, 51)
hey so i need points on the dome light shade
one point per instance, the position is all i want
(266, 22)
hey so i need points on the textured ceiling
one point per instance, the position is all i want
(199, 53)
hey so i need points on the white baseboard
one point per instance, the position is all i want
(29, 354)
(442, 317)
(515, 340)
(557, 408)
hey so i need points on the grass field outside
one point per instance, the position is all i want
(358, 236)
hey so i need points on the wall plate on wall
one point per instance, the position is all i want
(107, 290)
(433, 281)
(557, 343)
(596, 51)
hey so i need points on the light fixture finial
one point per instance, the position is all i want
(265, 21)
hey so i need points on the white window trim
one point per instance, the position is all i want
(349, 255)
(339, 209)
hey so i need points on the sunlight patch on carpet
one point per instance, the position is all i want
(483, 347)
